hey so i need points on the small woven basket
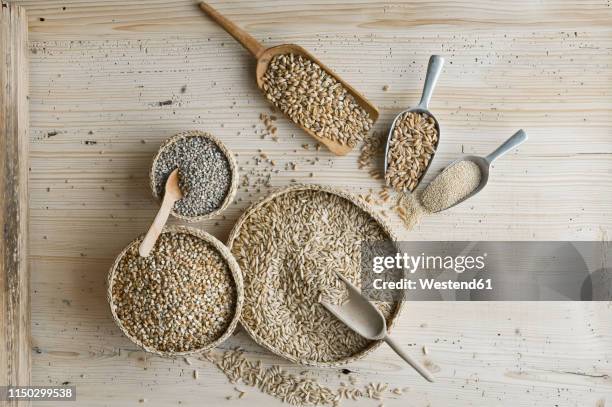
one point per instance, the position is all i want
(231, 193)
(234, 269)
(361, 205)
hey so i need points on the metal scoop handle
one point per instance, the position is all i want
(517, 139)
(433, 73)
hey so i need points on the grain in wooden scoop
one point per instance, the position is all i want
(320, 102)
(311, 97)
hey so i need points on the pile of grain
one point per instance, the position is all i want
(294, 389)
(410, 210)
(411, 148)
(180, 298)
(205, 173)
(451, 186)
(309, 96)
(289, 248)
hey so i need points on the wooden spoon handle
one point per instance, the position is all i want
(156, 227)
(244, 38)
(415, 365)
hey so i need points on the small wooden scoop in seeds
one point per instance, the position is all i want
(265, 55)
(364, 318)
(172, 193)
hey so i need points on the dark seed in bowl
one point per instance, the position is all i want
(205, 174)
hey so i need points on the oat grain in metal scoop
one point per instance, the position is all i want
(205, 174)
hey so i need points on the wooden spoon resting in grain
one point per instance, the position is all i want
(172, 193)
(265, 55)
(364, 318)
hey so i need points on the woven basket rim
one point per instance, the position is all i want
(231, 193)
(234, 269)
(361, 205)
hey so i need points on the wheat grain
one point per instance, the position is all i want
(311, 97)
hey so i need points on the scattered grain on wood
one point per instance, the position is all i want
(410, 210)
(302, 389)
(370, 149)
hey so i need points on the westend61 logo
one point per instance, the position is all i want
(422, 262)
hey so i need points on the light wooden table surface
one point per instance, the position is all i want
(99, 70)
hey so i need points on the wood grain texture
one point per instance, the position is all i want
(14, 273)
(111, 80)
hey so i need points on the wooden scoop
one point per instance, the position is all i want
(363, 317)
(172, 193)
(265, 55)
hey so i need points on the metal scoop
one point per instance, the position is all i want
(484, 163)
(434, 68)
(363, 317)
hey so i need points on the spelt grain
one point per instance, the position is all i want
(311, 97)
(411, 148)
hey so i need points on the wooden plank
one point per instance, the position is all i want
(88, 19)
(100, 69)
(14, 273)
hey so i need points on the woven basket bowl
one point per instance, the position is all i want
(234, 269)
(361, 205)
(231, 193)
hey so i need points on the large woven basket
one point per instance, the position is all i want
(236, 275)
(231, 193)
(361, 205)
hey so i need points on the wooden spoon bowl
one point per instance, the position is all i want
(265, 55)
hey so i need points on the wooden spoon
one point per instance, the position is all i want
(359, 314)
(264, 56)
(172, 193)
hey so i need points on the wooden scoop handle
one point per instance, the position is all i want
(157, 226)
(244, 38)
(415, 365)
